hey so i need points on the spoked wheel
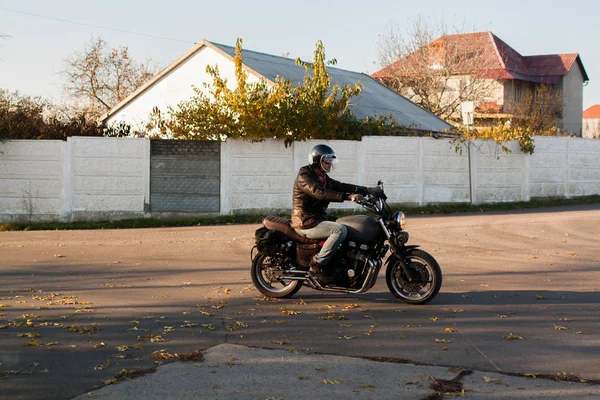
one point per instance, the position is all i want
(422, 289)
(266, 275)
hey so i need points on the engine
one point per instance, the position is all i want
(354, 259)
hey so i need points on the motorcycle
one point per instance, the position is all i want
(281, 257)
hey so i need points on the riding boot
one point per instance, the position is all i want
(316, 270)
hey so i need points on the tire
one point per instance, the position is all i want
(264, 271)
(431, 275)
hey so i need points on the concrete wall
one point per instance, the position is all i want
(82, 178)
(108, 178)
(31, 179)
(415, 171)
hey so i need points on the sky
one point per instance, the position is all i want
(42, 34)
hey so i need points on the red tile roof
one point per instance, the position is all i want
(491, 58)
(592, 112)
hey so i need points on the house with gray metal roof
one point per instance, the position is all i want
(176, 82)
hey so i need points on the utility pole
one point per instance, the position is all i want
(467, 113)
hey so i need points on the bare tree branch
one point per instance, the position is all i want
(99, 78)
(432, 69)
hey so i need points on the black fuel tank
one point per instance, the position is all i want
(361, 227)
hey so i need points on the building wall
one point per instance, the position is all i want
(572, 88)
(591, 128)
(177, 86)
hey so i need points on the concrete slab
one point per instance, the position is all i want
(238, 372)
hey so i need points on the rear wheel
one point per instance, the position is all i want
(420, 290)
(267, 275)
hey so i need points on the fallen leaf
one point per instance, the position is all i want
(513, 337)
(560, 328)
(334, 317)
(207, 314)
(287, 311)
(449, 330)
(100, 367)
(82, 329)
(29, 335)
(492, 380)
(333, 381)
(152, 338)
(126, 375)
(99, 345)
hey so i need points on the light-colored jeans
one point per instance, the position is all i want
(335, 234)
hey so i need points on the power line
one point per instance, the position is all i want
(95, 26)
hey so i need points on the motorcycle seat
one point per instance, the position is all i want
(284, 225)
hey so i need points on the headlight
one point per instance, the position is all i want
(400, 219)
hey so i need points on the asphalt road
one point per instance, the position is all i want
(520, 295)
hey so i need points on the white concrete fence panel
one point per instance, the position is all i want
(109, 178)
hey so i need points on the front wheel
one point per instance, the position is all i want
(427, 282)
(267, 274)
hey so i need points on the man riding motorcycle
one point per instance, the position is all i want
(313, 191)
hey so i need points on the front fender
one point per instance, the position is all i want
(403, 251)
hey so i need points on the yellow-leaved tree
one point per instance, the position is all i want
(312, 109)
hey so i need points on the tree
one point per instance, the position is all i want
(535, 113)
(313, 108)
(25, 117)
(539, 110)
(433, 69)
(99, 78)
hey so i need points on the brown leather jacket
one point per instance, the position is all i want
(311, 197)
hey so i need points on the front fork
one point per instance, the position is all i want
(400, 253)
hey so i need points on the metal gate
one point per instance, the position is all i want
(184, 176)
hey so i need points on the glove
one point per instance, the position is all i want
(356, 197)
(362, 190)
(374, 191)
